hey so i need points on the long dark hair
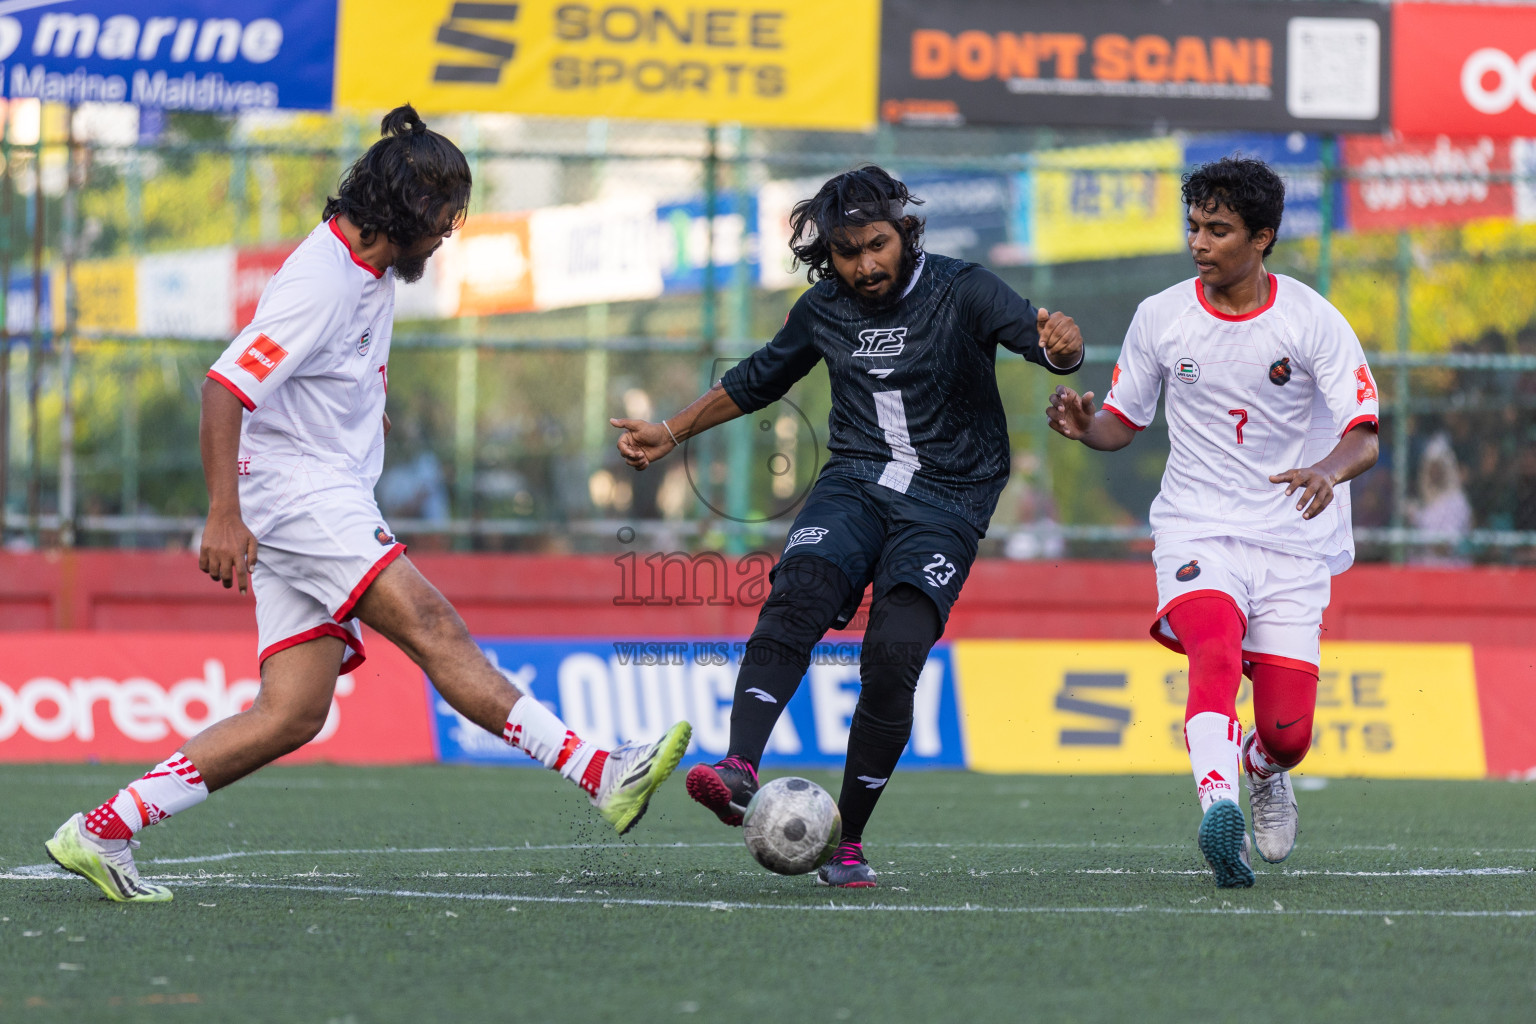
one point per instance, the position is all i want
(405, 184)
(852, 199)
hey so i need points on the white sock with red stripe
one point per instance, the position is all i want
(1258, 763)
(168, 788)
(1214, 743)
(534, 729)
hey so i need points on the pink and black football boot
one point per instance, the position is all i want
(848, 868)
(725, 787)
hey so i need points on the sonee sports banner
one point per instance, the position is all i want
(1179, 63)
(774, 63)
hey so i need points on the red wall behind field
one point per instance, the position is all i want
(582, 595)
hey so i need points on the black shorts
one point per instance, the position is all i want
(880, 536)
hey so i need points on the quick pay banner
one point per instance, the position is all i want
(612, 692)
(776, 63)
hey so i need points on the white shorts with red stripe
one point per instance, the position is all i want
(312, 566)
(1280, 597)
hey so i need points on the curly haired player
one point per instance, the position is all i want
(1271, 410)
(919, 454)
(293, 428)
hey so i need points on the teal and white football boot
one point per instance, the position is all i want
(1224, 842)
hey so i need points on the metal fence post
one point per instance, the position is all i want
(1325, 230)
(1400, 412)
(738, 477)
(68, 237)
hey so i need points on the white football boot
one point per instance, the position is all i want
(106, 862)
(634, 772)
(1272, 804)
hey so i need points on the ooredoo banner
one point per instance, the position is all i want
(775, 63)
(1181, 63)
(1465, 69)
(221, 56)
(135, 696)
(1397, 182)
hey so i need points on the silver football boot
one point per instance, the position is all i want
(1272, 804)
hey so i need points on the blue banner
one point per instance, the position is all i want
(612, 692)
(967, 215)
(684, 238)
(1297, 157)
(206, 55)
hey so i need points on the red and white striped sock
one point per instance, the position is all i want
(535, 730)
(168, 788)
(1214, 741)
(1258, 763)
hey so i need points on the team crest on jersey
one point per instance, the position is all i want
(1187, 370)
(881, 343)
(1188, 571)
(364, 342)
(1365, 387)
(382, 536)
(1280, 371)
(806, 535)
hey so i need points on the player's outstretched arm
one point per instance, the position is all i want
(1075, 417)
(228, 551)
(1355, 453)
(642, 442)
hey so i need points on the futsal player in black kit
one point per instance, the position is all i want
(918, 454)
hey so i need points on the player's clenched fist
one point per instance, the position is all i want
(228, 552)
(1070, 414)
(1060, 337)
(642, 443)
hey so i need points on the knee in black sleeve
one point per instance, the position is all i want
(808, 592)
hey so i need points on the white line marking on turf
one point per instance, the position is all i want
(866, 907)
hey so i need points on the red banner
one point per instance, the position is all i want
(253, 269)
(1397, 182)
(67, 696)
(1464, 69)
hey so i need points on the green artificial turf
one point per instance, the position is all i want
(482, 894)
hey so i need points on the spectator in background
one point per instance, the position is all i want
(1441, 506)
(1034, 532)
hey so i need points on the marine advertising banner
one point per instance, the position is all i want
(614, 692)
(1179, 63)
(773, 63)
(219, 56)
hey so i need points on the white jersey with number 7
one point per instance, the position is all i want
(1248, 396)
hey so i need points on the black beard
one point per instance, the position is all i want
(410, 269)
(893, 294)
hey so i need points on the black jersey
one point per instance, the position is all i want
(914, 387)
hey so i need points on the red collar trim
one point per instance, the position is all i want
(1274, 289)
(336, 230)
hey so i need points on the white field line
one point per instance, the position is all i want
(832, 906)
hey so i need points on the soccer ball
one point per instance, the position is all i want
(792, 826)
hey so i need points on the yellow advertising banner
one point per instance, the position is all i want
(1097, 202)
(1117, 707)
(106, 296)
(770, 63)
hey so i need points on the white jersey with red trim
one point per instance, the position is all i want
(312, 370)
(1248, 396)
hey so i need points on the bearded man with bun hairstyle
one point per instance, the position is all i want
(292, 438)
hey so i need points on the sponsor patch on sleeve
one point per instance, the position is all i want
(261, 357)
(1365, 387)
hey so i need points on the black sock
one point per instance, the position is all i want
(808, 592)
(903, 626)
